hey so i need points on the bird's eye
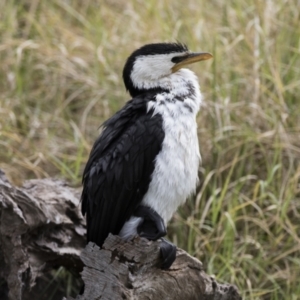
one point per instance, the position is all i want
(178, 59)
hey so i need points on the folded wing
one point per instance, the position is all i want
(119, 169)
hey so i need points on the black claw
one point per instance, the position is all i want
(153, 226)
(82, 290)
(168, 254)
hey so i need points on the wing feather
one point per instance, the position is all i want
(119, 169)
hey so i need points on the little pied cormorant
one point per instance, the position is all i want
(145, 162)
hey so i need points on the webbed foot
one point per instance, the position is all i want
(168, 254)
(153, 226)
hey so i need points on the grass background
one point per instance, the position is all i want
(60, 78)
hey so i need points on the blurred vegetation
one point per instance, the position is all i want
(60, 78)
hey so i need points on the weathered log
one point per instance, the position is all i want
(41, 227)
(131, 270)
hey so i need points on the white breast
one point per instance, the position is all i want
(176, 166)
(175, 174)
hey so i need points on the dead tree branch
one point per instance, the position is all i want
(41, 228)
(131, 270)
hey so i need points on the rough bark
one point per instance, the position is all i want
(41, 228)
(131, 270)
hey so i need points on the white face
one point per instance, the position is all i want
(150, 68)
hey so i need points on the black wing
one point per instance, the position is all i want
(119, 169)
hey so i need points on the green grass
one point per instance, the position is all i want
(60, 77)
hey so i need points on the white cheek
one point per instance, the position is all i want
(148, 69)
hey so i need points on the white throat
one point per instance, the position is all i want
(181, 86)
(178, 83)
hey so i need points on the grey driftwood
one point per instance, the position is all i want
(41, 227)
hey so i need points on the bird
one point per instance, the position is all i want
(145, 162)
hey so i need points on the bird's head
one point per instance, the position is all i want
(152, 66)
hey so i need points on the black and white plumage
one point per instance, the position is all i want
(147, 154)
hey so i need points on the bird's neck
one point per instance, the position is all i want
(180, 95)
(180, 85)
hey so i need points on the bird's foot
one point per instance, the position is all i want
(153, 226)
(168, 253)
